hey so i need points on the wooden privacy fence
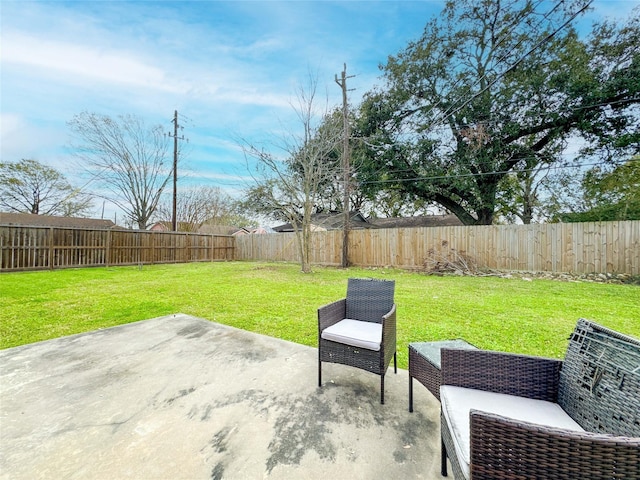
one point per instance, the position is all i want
(607, 247)
(598, 247)
(38, 248)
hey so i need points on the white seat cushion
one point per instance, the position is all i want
(355, 333)
(457, 403)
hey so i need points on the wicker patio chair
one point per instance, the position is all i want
(360, 330)
(591, 429)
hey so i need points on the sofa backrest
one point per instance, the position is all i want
(368, 300)
(600, 380)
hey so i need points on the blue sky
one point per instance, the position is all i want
(231, 69)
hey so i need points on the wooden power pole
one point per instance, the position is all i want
(342, 83)
(174, 218)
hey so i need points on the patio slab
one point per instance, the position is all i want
(180, 397)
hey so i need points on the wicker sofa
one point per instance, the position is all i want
(507, 416)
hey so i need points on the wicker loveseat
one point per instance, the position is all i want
(507, 416)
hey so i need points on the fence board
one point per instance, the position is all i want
(594, 247)
(606, 247)
(37, 248)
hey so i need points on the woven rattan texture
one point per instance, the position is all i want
(425, 372)
(597, 385)
(509, 450)
(373, 302)
(600, 382)
(447, 443)
(525, 376)
(369, 300)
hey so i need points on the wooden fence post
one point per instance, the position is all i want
(107, 255)
(153, 247)
(51, 248)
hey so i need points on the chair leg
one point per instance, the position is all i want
(443, 459)
(382, 389)
(395, 363)
(319, 369)
(410, 393)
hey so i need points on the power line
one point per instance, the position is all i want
(570, 112)
(504, 56)
(515, 64)
(437, 122)
(482, 174)
(631, 100)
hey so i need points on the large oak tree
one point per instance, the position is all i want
(494, 88)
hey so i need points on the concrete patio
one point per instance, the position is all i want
(179, 397)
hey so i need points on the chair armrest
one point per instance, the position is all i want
(500, 372)
(528, 451)
(391, 314)
(388, 337)
(389, 328)
(331, 314)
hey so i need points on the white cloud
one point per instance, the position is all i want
(20, 138)
(613, 9)
(11, 124)
(94, 67)
(230, 68)
(230, 178)
(81, 63)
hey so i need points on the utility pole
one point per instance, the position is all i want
(174, 218)
(342, 83)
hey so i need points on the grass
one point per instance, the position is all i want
(275, 299)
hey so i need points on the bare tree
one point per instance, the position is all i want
(198, 205)
(129, 160)
(289, 186)
(28, 186)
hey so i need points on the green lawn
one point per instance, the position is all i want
(275, 299)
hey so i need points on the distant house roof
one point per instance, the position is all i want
(330, 221)
(218, 229)
(262, 230)
(167, 226)
(205, 228)
(241, 231)
(335, 221)
(160, 227)
(419, 221)
(30, 220)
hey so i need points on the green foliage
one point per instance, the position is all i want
(29, 186)
(609, 194)
(276, 299)
(492, 90)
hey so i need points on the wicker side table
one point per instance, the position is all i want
(424, 364)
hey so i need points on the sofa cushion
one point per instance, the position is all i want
(355, 333)
(457, 403)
